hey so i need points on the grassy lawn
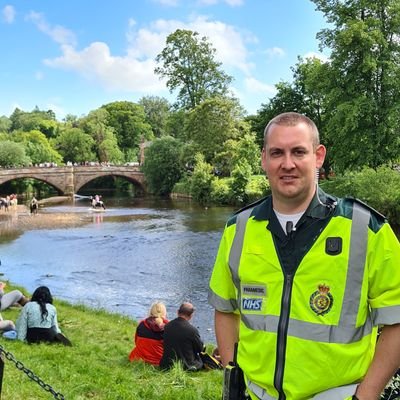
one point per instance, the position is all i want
(97, 366)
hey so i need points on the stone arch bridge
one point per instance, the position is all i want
(68, 180)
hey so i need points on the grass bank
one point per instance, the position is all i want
(97, 366)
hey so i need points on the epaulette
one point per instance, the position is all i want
(372, 210)
(251, 205)
(232, 218)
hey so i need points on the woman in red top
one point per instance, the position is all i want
(149, 335)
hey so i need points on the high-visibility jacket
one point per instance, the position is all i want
(310, 301)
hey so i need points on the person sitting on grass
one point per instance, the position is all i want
(9, 299)
(149, 336)
(182, 341)
(7, 327)
(37, 321)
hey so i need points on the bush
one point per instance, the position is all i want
(160, 167)
(379, 188)
(183, 186)
(257, 187)
(221, 191)
(201, 180)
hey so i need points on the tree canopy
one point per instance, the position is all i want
(188, 63)
(363, 93)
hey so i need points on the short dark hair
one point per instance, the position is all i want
(186, 309)
(293, 119)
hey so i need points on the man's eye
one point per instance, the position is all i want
(275, 153)
(299, 152)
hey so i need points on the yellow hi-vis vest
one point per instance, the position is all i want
(304, 333)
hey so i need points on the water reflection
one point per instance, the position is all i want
(125, 258)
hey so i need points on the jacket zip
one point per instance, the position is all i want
(282, 336)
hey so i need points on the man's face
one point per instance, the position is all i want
(290, 162)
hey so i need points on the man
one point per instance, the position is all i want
(302, 280)
(182, 341)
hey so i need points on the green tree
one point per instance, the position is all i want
(13, 154)
(129, 123)
(240, 178)
(43, 121)
(213, 122)
(176, 124)
(188, 62)
(157, 110)
(160, 167)
(237, 151)
(306, 94)
(5, 124)
(37, 147)
(74, 145)
(96, 124)
(364, 95)
(202, 180)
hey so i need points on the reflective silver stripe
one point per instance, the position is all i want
(220, 303)
(308, 330)
(355, 270)
(338, 393)
(259, 392)
(346, 331)
(386, 315)
(237, 245)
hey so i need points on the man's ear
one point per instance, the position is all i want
(263, 160)
(320, 153)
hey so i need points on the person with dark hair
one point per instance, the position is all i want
(182, 341)
(37, 321)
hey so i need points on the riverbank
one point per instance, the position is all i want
(19, 219)
(97, 365)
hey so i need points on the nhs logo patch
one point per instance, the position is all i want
(252, 304)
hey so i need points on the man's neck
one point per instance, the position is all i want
(291, 206)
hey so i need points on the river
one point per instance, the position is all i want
(138, 251)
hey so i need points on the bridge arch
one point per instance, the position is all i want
(82, 181)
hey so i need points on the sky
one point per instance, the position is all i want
(74, 56)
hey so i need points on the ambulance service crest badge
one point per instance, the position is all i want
(321, 300)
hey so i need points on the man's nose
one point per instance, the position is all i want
(287, 162)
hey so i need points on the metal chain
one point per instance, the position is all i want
(19, 365)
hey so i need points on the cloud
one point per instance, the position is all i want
(57, 33)
(275, 52)
(230, 44)
(253, 85)
(96, 63)
(8, 13)
(134, 70)
(318, 56)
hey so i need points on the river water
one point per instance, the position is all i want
(137, 252)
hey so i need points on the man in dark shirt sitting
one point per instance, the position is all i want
(182, 341)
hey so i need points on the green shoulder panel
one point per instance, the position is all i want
(232, 218)
(345, 209)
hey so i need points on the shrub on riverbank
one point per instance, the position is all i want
(379, 188)
(97, 366)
